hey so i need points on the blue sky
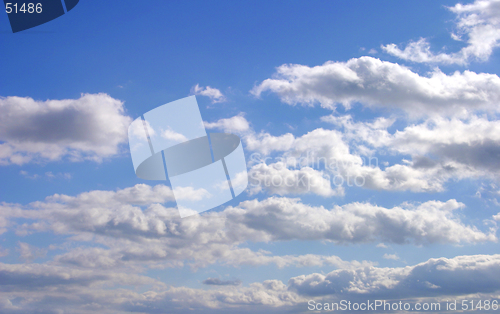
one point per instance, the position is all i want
(413, 85)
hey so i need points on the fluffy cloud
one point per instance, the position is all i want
(441, 276)
(91, 127)
(373, 82)
(278, 179)
(133, 230)
(92, 297)
(37, 287)
(132, 216)
(214, 94)
(286, 219)
(136, 229)
(218, 282)
(330, 149)
(22, 277)
(479, 21)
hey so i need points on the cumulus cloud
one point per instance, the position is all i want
(440, 276)
(391, 256)
(214, 94)
(330, 149)
(429, 222)
(136, 228)
(35, 286)
(133, 228)
(377, 83)
(441, 149)
(295, 170)
(462, 148)
(78, 298)
(218, 282)
(478, 21)
(278, 179)
(91, 127)
(133, 231)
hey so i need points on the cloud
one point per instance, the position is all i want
(173, 136)
(214, 94)
(136, 229)
(295, 170)
(47, 287)
(479, 21)
(92, 127)
(266, 296)
(32, 277)
(266, 143)
(113, 214)
(391, 256)
(462, 148)
(435, 277)
(133, 229)
(237, 124)
(218, 282)
(278, 179)
(29, 253)
(330, 149)
(286, 219)
(377, 83)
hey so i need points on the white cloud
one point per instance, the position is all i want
(377, 83)
(237, 124)
(173, 136)
(214, 94)
(266, 143)
(3, 252)
(38, 287)
(134, 229)
(286, 219)
(218, 282)
(278, 179)
(479, 21)
(91, 127)
(391, 256)
(328, 148)
(32, 277)
(441, 276)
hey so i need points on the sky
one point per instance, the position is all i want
(371, 137)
